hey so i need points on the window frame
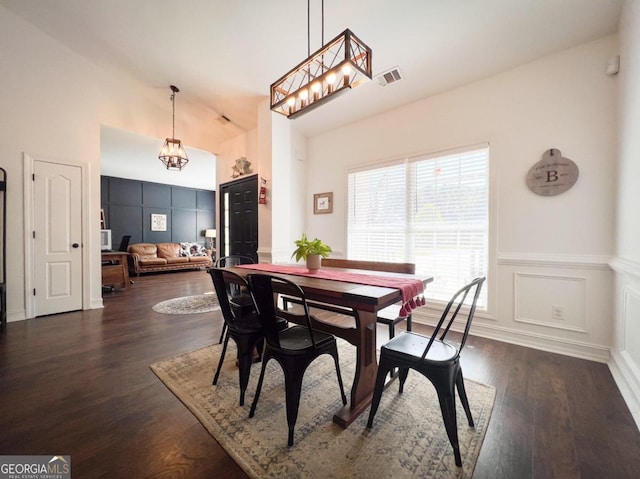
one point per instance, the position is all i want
(485, 310)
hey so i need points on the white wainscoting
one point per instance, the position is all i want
(528, 286)
(553, 301)
(625, 354)
(531, 288)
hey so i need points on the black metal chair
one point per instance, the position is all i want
(437, 360)
(295, 348)
(243, 302)
(242, 324)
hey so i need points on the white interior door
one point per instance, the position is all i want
(57, 225)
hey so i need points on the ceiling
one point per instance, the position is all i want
(124, 154)
(224, 54)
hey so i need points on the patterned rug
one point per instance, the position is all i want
(202, 303)
(408, 438)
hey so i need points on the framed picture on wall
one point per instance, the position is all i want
(322, 203)
(158, 222)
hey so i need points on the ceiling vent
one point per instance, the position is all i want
(389, 77)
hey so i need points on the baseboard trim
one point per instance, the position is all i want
(22, 315)
(96, 304)
(628, 383)
(16, 316)
(576, 349)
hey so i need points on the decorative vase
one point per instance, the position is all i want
(313, 262)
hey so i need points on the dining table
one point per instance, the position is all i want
(358, 293)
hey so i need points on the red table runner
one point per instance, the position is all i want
(410, 288)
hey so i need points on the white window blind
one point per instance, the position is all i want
(431, 211)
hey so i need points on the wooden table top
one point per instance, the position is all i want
(354, 295)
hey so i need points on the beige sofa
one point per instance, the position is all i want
(149, 257)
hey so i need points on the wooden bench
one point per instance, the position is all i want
(389, 315)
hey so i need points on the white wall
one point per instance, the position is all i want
(53, 105)
(278, 154)
(288, 172)
(626, 346)
(558, 244)
(124, 154)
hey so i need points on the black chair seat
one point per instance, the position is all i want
(412, 344)
(297, 338)
(244, 311)
(251, 324)
(242, 303)
(248, 326)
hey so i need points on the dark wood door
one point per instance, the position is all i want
(239, 217)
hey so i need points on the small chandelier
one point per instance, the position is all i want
(341, 64)
(173, 154)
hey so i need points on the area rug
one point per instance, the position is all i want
(408, 438)
(202, 303)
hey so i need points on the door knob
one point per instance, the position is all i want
(75, 245)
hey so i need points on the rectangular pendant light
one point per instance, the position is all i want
(341, 64)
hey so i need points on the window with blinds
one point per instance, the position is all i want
(427, 210)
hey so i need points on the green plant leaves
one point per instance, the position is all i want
(304, 248)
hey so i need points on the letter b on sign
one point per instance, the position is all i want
(553, 174)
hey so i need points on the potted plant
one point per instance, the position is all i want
(312, 251)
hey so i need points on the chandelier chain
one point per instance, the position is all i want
(322, 23)
(173, 115)
(309, 31)
(309, 26)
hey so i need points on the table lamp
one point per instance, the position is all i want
(210, 234)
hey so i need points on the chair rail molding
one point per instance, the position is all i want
(625, 266)
(598, 262)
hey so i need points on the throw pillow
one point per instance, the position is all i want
(197, 250)
(185, 249)
(192, 249)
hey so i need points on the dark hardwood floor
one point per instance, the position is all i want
(79, 384)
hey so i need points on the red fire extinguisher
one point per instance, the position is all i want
(262, 197)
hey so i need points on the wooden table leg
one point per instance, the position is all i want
(366, 370)
(125, 267)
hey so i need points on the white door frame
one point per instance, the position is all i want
(29, 271)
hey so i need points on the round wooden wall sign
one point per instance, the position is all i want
(553, 174)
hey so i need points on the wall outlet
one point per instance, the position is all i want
(557, 311)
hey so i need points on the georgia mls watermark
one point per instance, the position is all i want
(35, 467)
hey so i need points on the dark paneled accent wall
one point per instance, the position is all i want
(129, 204)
